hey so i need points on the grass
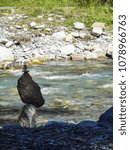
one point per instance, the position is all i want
(71, 9)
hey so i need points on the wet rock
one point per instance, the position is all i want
(27, 117)
(29, 90)
(6, 54)
(79, 25)
(106, 119)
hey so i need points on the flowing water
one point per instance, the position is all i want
(73, 91)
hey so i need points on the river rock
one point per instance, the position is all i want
(97, 31)
(77, 57)
(9, 44)
(79, 25)
(29, 90)
(98, 24)
(6, 54)
(59, 35)
(109, 52)
(75, 34)
(106, 119)
(32, 24)
(67, 49)
(69, 38)
(90, 55)
(3, 41)
(27, 117)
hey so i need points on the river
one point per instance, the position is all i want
(73, 91)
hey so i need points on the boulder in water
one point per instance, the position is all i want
(29, 90)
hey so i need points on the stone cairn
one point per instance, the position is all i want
(30, 94)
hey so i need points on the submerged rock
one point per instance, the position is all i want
(29, 90)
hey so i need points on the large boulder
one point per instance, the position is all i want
(6, 54)
(106, 119)
(29, 90)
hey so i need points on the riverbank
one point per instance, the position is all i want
(45, 38)
(85, 135)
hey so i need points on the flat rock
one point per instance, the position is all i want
(77, 57)
(79, 25)
(6, 54)
(59, 35)
(67, 49)
(98, 24)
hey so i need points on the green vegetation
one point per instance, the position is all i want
(86, 11)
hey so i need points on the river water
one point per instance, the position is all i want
(73, 91)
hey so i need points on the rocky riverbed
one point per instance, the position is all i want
(38, 39)
(86, 135)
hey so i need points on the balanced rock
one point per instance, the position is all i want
(29, 90)
(27, 117)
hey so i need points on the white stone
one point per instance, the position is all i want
(50, 19)
(59, 35)
(79, 25)
(39, 27)
(18, 27)
(9, 44)
(69, 38)
(97, 31)
(75, 34)
(67, 49)
(6, 54)
(90, 55)
(3, 41)
(32, 24)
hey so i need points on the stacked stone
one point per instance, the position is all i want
(31, 95)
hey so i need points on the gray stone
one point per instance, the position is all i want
(27, 117)
(39, 27)
(33, 24)
(77, 57)
(75, 34)
(97, 31)
(67, 49)
(98, 24)
(29, 90)
(79, 25)
(6, 54)
(59, 35)
(3, 41)
(90, 55)
(9, 44)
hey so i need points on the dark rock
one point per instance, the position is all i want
(27, 117)
(29, 90)
(106, 119)
(87, 124)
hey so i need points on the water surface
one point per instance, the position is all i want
(73, 91)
